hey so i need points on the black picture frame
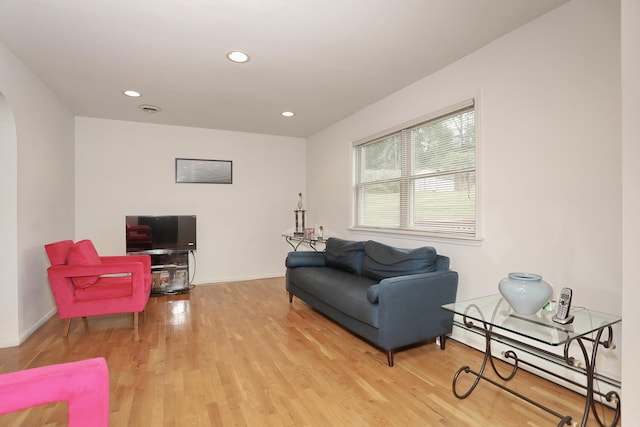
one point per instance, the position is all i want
(203, 171)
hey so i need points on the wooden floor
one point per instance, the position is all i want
(239, 354)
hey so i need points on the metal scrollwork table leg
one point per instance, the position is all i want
(291, 241)
(589, 362)
(612, 397)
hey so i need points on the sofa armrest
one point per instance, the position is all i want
(304, 259)
(410, 307)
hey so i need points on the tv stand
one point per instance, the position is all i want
(169, 270)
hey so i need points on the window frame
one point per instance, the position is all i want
(403, 229)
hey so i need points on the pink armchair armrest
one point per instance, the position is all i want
(134, 268)
(84, 385)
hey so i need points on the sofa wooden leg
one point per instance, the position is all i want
(390, 357)
(67, 326)
(290, 297)
(443, 340)
(135, 320)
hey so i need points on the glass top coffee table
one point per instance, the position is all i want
(496, 320)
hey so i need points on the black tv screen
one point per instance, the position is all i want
(166, 232)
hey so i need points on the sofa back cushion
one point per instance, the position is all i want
(345, 255)
(83, 253)
(382, 261)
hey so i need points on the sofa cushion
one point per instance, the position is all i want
(382, 261)
(345, 255)
(83, 253)
(343, 291)
(372, 293)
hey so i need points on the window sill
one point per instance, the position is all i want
(417, 235)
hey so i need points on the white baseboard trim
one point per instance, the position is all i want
(9, 343)
(27, 333)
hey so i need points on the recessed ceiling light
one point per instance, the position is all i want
(237, 56)
(132, 93)
(288, 113)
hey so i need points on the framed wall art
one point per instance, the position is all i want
(204, 171)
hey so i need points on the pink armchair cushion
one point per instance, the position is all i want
(57, 251)
(106, 287)
(83, 253)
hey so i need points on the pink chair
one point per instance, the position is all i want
(84, 385)
(86, 284)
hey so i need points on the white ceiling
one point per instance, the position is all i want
(322, 59)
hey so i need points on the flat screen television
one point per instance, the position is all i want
(166, 232)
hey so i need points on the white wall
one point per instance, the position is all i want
(38, 194)
(548, 104)
(631, 206)
(8, 219)
(127, 168)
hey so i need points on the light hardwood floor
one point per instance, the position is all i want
(238, 354)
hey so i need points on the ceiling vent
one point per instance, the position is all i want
(149, 108)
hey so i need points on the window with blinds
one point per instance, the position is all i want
(420, 178)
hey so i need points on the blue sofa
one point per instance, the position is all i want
(389, 296)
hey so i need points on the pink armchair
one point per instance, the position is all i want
(86, 284)
(84, 385)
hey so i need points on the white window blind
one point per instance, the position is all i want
(420, 178)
